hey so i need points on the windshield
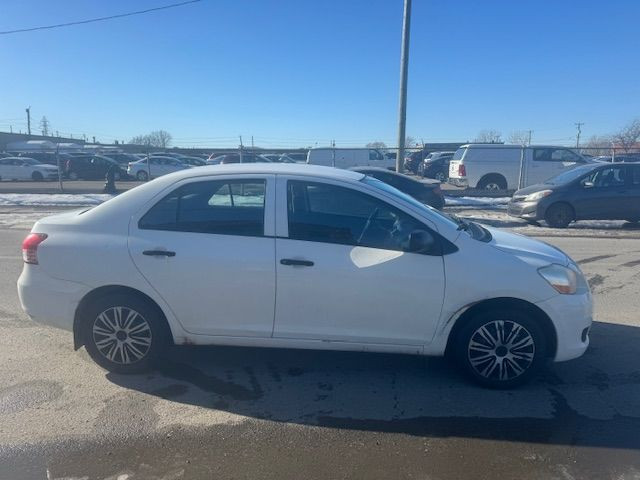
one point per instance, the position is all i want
(570, 175)
(477, 232)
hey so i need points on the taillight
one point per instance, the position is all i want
(462, 171)
(30, 247)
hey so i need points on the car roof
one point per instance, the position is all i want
(270, 168)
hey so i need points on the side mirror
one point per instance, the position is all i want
(587, 184)
(421, 241)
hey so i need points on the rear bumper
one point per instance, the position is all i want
(458, 182)
(48, 300)
(572, 317)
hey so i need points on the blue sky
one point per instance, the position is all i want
(301, 72)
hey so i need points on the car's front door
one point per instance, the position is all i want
(344, 272)
(604, 194)
(208, 249)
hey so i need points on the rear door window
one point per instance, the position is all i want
(223, 207)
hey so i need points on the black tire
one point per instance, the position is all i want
(485, 365)
(142, 176)
(559, 215)
(441, 177)
(37, 177)
(106, 343)
(492, 182)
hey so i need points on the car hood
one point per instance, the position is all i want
(538, 187)
(529, 250)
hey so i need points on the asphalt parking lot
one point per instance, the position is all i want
(250, 413)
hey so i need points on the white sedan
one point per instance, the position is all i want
(158, 166)
(194, 258)
(24, 168)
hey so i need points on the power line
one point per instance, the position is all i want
(99, 19)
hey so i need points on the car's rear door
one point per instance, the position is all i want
(342, 273)
(207, 248)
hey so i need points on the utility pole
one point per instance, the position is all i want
(404, 66)
(251, 142)
(579, 126)
(240, 148)
(44, 126)
(28, 110)
(529, 142)
(333, 153)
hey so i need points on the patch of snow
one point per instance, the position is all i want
(475, 201)
(52, 199)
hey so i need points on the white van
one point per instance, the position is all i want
(349, 157)
(497, 167)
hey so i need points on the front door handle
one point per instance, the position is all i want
(294, 262)
(159, 253)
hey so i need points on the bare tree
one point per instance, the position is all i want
(161, 138)
(488, 136)
(410, 141)
(519, 137)
(598, 145)
(628, 136)
(376, 144)
(157, 138)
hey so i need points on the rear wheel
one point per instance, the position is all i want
(142, 176)
(492, 182)
(37, 177)
(501, 348)
(124, 333)
(559, 215)
(441, 177)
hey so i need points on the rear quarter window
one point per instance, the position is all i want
(459, 153)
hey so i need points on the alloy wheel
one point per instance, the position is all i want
(501, 350)
(122, 335)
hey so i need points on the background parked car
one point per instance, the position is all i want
(91, 167)
(349, 157)
(426, 191)
(24, 168)
(47, 158)
(412, 161)
(158, 166)
(121, 158)
(497, 167)
(235, 158)
(436, 165)
(596, 191)
(193, 161)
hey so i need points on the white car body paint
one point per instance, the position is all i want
(354, 298)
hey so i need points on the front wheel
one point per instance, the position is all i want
(559, 215)
(37, 177)
(142, 176)
(124, 333)
(441, 177)
(501, 348)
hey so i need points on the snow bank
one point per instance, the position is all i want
(52, 199)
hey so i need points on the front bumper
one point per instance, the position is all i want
(48, 300)
(572, 317)
(527, 210)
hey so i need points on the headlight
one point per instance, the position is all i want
(563, 279)
(537, 196)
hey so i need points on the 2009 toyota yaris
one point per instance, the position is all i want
(302, 257)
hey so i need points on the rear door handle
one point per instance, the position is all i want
(293, 261)
(159, 253)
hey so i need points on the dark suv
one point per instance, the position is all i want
(91, 167)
